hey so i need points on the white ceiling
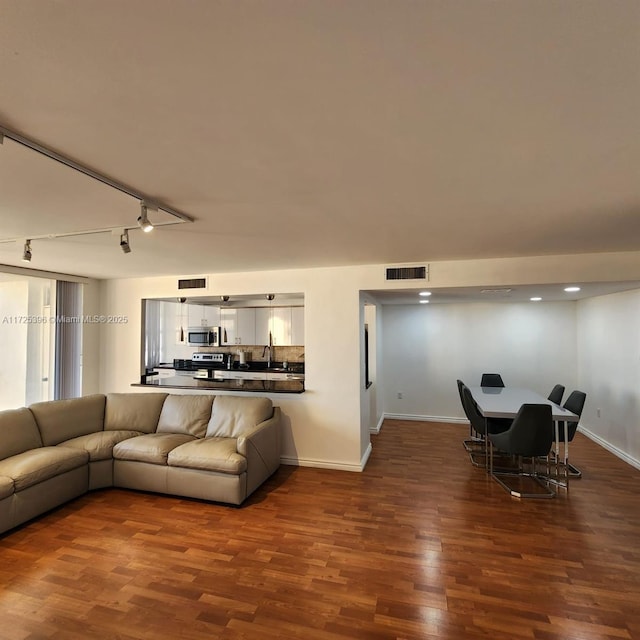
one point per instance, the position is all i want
(513, 293)
(324, 132)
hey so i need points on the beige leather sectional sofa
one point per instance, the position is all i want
(218, 448)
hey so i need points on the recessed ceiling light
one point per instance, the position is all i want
(425, 293)
(535, 299)
(571, 289)
(424, 302)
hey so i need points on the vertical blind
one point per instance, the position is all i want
(68, 361)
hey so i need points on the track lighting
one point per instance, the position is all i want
(124, 242)
(143, 220)
(26, 254)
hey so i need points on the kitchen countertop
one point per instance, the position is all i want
(294, 367)
(250, 386)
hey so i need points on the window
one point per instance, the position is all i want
(40, 353)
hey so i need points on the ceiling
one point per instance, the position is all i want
(317, 133)
(513, 293)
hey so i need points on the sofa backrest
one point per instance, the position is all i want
(232, 416)
(133, 411)
(188, 414)
(60, 420)
(18, 432)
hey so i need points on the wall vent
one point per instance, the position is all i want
(406, 273)
(192, 283)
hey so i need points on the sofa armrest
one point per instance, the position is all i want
(261, 448)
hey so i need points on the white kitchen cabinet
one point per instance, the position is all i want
(200, 315)
(228, 325)
(297, 326)
(238, 326)
(280, 322)
(245, 326)
(281, 326)
(262, 325)
(278, 375)
(212, 315)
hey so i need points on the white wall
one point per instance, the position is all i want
(426, 348)
(322, 425)
(609, 370)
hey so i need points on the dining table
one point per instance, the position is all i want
(505, 402)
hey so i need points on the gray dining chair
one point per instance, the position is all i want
(474, 443)
(556, 394)
(491, 380)
(481, 425)
(530, 436)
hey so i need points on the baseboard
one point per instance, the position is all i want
(609, 447)
(409, 416)
(377, 428)
(327, 464)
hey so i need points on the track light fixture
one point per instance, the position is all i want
(124, 242)
(26, 254)
(143, 220)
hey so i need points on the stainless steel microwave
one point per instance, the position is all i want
(203, 336)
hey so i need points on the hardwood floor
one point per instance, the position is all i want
(422, 545)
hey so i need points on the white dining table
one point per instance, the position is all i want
(505, 402)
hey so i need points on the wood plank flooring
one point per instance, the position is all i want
(422, 545)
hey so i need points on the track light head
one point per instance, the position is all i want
(143, 220)
(26, 253)
(124, 242)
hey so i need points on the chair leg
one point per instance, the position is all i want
(474, 442)
(574, 472)
(516, 492)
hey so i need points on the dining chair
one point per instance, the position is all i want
(567, 430)
(491, 380)
(473, 442)
(556, 394)
(530, 436)
(481, 425)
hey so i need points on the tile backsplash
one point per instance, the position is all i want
(293, 354)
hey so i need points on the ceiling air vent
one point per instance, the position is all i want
(406, 273)
(193, 283)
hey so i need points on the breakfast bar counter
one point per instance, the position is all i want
(214, 384)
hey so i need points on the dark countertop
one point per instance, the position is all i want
(250, 386)
(188, 365)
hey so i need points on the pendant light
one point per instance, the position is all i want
(182, 301)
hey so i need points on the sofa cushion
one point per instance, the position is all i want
(150, 447)
(18, 432)
(231, 416)
(99, 445)
(133, 411)
(188, 414)
(38, 465)
(209, 454)
(60, 420)
(6, 487)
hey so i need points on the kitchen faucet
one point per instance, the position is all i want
(267, 350)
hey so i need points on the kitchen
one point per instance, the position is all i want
(235, 343)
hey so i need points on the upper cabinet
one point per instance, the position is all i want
(246, 326)
(238, 326)
(284, 325)
(297, 326)
(201, 315)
